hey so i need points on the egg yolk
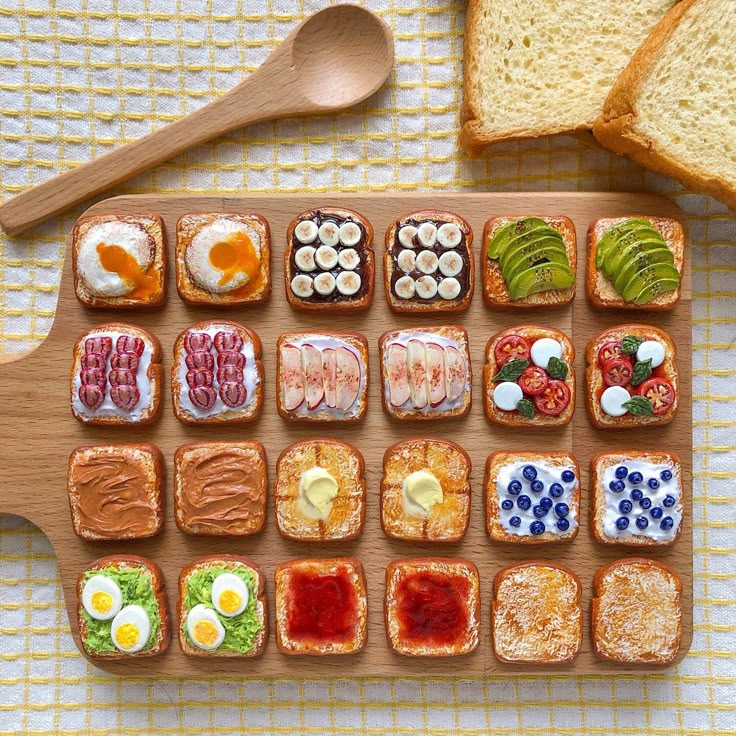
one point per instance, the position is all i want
(101, 601)
(117, 260)
(235, 255)
(230, 601)
(205, 632)
(127, 635)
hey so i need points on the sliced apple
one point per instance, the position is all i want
(436, 373)
(418, 387)
(455, 373)
(347, 383)
(329, 376)
(397, 371)
(314, 390)
(292, 377)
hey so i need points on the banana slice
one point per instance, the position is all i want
(348, 282)
(326, 257)
(427, 261)
(306, 232)
(427, 234)
(304, 258)
(302, 286)
(426, 287)
(324, 283)
(450, 263)
(329, 233)
(404, 287)
(449, 235)
(449, 288)
(348, 259)
(350, 233)
(407, 235)
(406, 260)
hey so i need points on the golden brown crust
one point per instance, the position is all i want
(154, 226)
(467, 640)
(636, 612)
(450, 464)
(159, 591)
(594, 378)
(346, 517)
(187, 228)
(496, 461)
(353, 567)
(490, 369)
(368, 272)
(536, 614)
(600, 290)
(495, 291)
(253, 405)
(230, 561)
(120, 499)
(436, 305)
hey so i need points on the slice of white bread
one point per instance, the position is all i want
(671, 109)
(536, 68)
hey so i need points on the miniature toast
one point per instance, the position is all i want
(529, 378)
(116, 375)
(220, 488)
(328, 261)
(222, 608)
(426, 372)
(529, 261)
(321, 606)
(322, 376)
(428, 263)
(536, 615)
(637, 497)
(631, 377)
(122, 608)
(119, 261)
(116, 491)
(635, 262)
(636, 613)
(319, 494)
(223, 259)
(432, 607)
(532, 497)
(217, 374)
(425, 490)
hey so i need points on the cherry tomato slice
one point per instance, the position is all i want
(533, 380)
(509, 348)
(660, 393)
(617, 372)
(609, 351)
(554, 399)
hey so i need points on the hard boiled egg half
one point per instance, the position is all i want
(229, 594)
(204, 628)
(101, 597)
(131, 629)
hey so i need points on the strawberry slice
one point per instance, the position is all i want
(125, 397)
(228, 341)
(233, 394)
(197, 342)
(397, 368)
(314, 389)
(130, 344)
(91, 396)
(203, 397)
(292, 378)
(347, 378)
(101, 345)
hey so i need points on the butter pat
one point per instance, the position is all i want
(317, 488)
(421, 491)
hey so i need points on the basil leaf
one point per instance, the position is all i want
(639, 406)
(630, 344)
(557, 368)
(642, 371)
(511, 370)
(525, 408)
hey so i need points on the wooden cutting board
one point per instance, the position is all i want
(38, 432)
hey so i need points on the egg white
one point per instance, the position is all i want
(201, 612)
(100, 583)
(137, 616)
(228, 581)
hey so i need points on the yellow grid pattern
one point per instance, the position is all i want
(79, 77)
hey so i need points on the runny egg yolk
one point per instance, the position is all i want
(127, 635)
(235, 255)
(101, 601)
(205, 632)
(230, 601)
(117, 260)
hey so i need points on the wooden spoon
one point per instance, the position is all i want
(334, 59)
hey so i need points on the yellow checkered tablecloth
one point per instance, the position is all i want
(79, 77)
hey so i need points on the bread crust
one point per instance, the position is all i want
(530, 332)
(368, 271)
(230, 561)
(157, 586)
(415, 305)
(617, 633)
(282, 579)
(495, 290)
(154, 374)
(496, 461)
(594, 378)
(468, 641)
(347, 515)
(600, 290)
(187, 228)
(568, 634)
(251, 409)
(446, 522)
(154, 226)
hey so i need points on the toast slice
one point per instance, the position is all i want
(210, 590)
(534, 69)
(666, 110)
(116, 491)
(636, 612)
(536, 614)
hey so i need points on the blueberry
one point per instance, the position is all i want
(669, 501)
(617, 486)
(645, 503)
(653, 483)
(536, 528)
(667, 523)
(656, 513)
(622, 523)
(621, 472)
(563, 525)
(666, 475)
(514, 488)
(635, 478)
(545, 503)
(529, 472)
(537, 486)
(556, 490)
(507, 504)
(539, 512)
(625, 506)
(524, 503)
(515, 521)
(637, 494)
(562, 509)
(568, 476)
(642, 522)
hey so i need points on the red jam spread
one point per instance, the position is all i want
(322, 606)
(432, 607)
